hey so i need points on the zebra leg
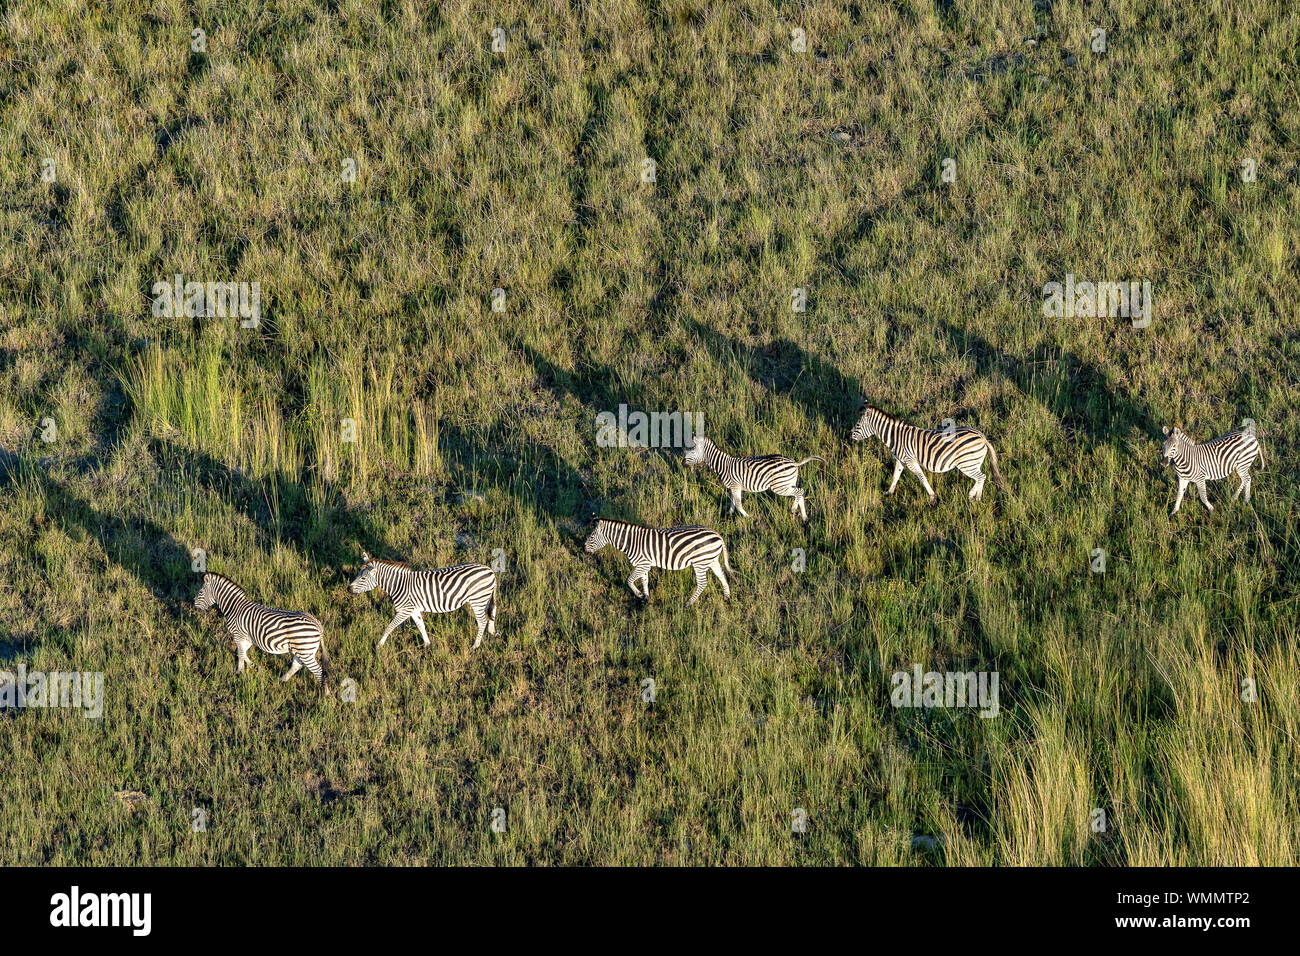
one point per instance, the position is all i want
(716, 568)
(797, 506)
(314, 668)
(735, 503)
(481, 618)
(1178, 502)
(631, 582)
(1200, 490)
(916, 469)
(297, 666)
(1244, 475)
(701, 579)
(392, 624)
(976, 474)
(418, 618)
(241, 648)
(898, 471)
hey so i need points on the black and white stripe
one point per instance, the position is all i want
(928, 449)
(758, 473)
(414, 593)
(296, 633)
(674, 549)
(1217, 458)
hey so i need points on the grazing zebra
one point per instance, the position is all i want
(760, 473)
(673, 549)
(296, 633)
(926, 449)
(1217, 458)
(437, 592)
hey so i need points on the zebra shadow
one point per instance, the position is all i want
(1076, 392)
(785, 367)
(309, 515)
(532, 474)
(146, 550)
(592, 389)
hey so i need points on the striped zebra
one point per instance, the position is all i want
(437, 592)
(296, 633)
(673, 549)
(927, 449)
(1217, 458)
(760, 473)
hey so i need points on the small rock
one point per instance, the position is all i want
(1071, 60)
(131, 799)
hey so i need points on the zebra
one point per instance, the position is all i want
(673, 549)
(295, 633)
(1209, 461)
(926, 449)
(760, 473)
(438, 592)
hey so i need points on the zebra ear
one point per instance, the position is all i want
(365, 557)
(1166, 429)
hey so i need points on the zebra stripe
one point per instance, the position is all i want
(273, 630)
(759, 473)
(437, 592)
(1217, 458)
(927, 449)
(673, 549)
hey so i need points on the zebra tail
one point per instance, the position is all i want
(993, 460)
(800, 464)
(1259, 447)
(492, 606)
(726, 561)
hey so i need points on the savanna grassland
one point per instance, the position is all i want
(522, 170)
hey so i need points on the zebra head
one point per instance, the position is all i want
(367, 578)
(864, 428)
(597, 539)
(1174, 445)
(695, 454)
(207, 594)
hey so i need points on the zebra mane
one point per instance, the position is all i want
(626, 524)
(391, 564)
(222, 577)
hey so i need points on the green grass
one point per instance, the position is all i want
(475, 429)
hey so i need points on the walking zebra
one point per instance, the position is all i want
(296, 633)
(760, 473)
(1217, 458)
(673, 549)
(437, 592)
(926, 449)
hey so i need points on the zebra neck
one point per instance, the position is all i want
(717, 459)
(230, 599)
(390, 576)
(889, 429)
(619, 535)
